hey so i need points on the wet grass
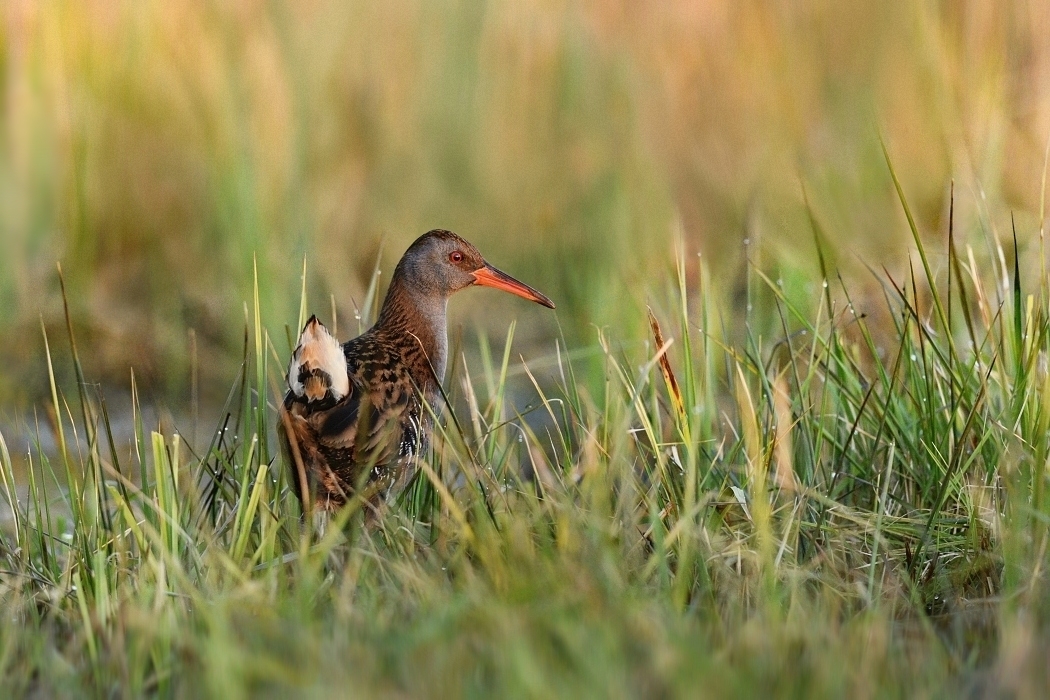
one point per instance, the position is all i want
(819, 509)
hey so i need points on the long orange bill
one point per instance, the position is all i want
(489, 276)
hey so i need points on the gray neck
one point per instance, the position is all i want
(419, 321)
(431, 327)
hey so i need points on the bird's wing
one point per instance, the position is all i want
(373, 425)
(366, 434)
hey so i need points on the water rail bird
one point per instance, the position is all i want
(353, 418)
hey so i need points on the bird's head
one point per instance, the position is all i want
(441, 263)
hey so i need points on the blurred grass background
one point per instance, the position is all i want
(157, 149)
(153, 148)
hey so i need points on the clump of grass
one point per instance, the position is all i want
(819, 509)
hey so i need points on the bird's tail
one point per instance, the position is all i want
(317, 371)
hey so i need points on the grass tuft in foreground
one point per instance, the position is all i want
(825, 508)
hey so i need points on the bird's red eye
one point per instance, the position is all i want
(456, 256)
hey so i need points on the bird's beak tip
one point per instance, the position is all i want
(489, 276)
